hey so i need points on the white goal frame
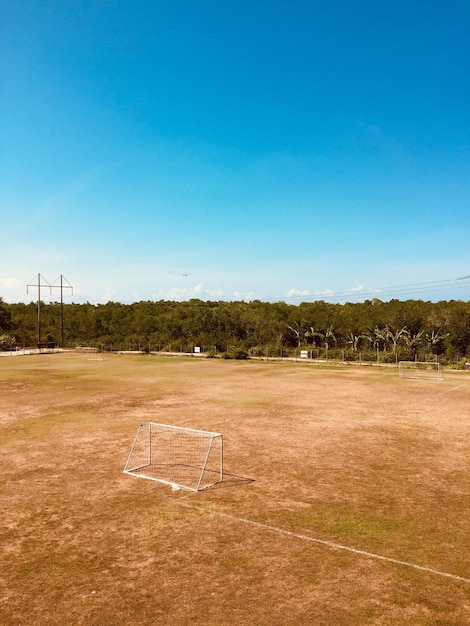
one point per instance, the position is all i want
(184, 458)
(430, 370)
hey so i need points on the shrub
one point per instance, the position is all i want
(236, 353)
(240, 354)
(7, 342)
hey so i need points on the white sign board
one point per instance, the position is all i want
(304, 354)
(197, 349)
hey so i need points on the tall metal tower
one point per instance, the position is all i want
(61, 286)
(41, 282)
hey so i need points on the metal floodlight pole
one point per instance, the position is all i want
(61, 286)
(38, 285)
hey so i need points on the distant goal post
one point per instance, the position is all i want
(184, 458)
(420, 369)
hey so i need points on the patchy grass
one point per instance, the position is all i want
(351, 456)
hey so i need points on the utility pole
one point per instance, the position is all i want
(61, 286)
(38, 285)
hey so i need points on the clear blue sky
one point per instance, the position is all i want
(235, 149)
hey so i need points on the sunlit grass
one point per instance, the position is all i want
(349, 456)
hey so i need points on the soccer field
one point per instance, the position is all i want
(345, 495)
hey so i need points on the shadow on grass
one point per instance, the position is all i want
(231, 480)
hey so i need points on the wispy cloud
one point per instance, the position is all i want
(355, 289)
(293, 293)
(12, 289)
(305, 293)
(186, 293)
(326, 293)
(11, 283)
(238, 295)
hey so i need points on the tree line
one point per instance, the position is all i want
(371, 330)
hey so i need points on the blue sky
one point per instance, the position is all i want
(231, 150)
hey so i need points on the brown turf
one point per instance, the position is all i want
(352, 456)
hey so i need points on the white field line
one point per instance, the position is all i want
(444, 392)
(329, 544)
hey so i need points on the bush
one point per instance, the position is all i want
(7, 342)
(240, 354)
(236, 353)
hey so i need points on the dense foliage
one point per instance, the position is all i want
(374, 329)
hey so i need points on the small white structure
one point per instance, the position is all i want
(184, 458)
(420, 369)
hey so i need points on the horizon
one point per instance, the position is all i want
(400, 293)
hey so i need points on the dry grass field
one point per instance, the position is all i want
(345, 498)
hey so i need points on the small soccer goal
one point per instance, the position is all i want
(184, 458)
(420, 369)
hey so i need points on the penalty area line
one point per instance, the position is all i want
(323, 542)
(437, 395)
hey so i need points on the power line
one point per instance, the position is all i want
(377, 292)
(42, 282)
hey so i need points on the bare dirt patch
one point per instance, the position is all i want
(351, 457)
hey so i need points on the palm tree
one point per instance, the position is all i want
(353, 340)
(330, 335)
(414, 341)
(395, 337)
(296, 332)
(378, 338)
(313, 334)
(434, 338)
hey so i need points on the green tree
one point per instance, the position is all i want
(414, 341)
(396, 337)
(435, 341)
(5, 316)
(354, 340)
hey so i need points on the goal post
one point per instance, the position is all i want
(420, 369)
(184, 458)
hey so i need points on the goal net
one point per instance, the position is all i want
(420, 369)
(184, 458)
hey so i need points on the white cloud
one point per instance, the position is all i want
(10, 283)
(297, 292)
(238, 295)
(215, 294)
(355, 289)
(13, 289)
(182, 293)
(325, 293)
